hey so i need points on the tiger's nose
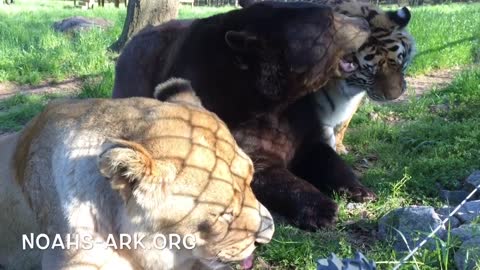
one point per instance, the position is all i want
(267, 227)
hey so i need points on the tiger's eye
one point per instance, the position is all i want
(369, 57)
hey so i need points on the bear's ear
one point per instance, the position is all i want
(400, 17)
(127, 164)
(241, 41)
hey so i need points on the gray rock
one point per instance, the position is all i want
(79, 23)
(443, 213)
(453, 197)
(468, 255)
(469, 212)
(466, 232)
(414, 223)
(473, 181)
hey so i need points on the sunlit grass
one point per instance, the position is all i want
(32, 52)
(446, 36)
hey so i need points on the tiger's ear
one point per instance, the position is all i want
(127, 165)
(401, 17)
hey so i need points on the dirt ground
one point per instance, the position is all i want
(70, 86)
(421, 84)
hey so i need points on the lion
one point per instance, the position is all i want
(102, 170)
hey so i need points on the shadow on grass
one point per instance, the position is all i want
(448, 45)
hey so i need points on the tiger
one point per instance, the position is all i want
(377, 68)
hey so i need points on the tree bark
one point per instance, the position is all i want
(145, 13)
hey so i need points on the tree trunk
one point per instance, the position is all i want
(144, 13)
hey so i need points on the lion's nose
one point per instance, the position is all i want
(267, 227)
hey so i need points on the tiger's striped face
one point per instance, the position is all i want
(384, 58)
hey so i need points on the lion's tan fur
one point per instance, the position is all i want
(133, 165)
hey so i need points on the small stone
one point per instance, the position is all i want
(353, 206)
(440, 108)
(473, 180)
(468, 255)
(453, 221)
(79, 23)
(453, 197)
(466, 232)
(469, 212)
(374, 116)
(414, 223)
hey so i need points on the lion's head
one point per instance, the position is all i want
(185, 174)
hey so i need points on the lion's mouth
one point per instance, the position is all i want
(247, 263)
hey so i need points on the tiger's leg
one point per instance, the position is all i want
(340, 134)
(327, 171)
(340, 131)
(329, 136)
(294, 198)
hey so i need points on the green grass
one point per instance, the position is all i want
(32, 52)
(201, 12)
(446, 35)
(415, 154)
(412, 147)
(15, 112)
(437, 131)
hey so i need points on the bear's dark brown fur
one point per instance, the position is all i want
(248, 66)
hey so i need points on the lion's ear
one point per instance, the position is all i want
(127, 164)
(177, 90)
